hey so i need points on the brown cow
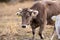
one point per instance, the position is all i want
(37, 15)
(53, 10)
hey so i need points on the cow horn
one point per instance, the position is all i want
(30, 10)
(33, 10)
(20, 9)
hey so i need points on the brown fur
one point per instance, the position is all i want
(40, 19)
(53, 8)
(46, 10)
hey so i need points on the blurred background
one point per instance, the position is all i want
(19, 0)
(10, 23)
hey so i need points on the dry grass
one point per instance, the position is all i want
(10, 24)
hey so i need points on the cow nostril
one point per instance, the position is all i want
(23, 26)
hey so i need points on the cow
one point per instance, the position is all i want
(57, 25)
(53, 9)
(39, 15)
(35, 16)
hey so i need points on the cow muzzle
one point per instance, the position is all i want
(24, 26)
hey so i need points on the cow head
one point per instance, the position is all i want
(27, 15)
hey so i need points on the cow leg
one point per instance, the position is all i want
(33, 32)
(40, 31)
(53, 36)
(53, 33)
(58, 31)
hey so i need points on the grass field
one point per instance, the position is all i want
(10, 24)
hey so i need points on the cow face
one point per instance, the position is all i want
(27, 15)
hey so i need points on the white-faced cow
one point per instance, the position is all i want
(37, 15)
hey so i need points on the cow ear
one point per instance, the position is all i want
(35, 13)
(19, 12)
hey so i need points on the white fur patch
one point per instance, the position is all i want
(53, 18)
(30, 10)
(18, 12)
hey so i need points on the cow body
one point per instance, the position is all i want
(45, 10)
(40, 19)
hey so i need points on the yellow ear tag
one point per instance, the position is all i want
(19, 16)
